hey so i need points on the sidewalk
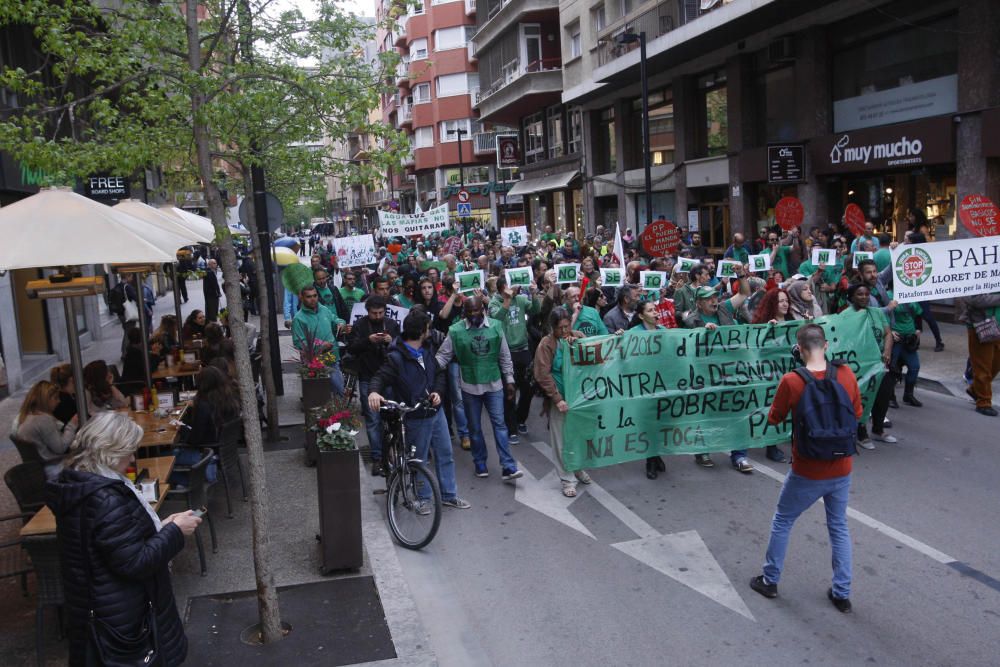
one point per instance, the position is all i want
(942, 371)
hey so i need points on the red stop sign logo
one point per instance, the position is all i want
(913, 267)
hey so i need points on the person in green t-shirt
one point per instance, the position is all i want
(512, 311)
(825, 279)
(906, 343)
(859, 295)
(587, 320)
(350, 291)
(548, 235)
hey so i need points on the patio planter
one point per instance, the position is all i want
(339, 481)
(315, 392)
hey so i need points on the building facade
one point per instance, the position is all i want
(890, 105)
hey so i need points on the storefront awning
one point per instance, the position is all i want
(543, 183)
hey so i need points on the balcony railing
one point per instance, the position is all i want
(494, 8)
(405, 115)
(403, 71)
(655, 22)
(513, 71)
(474, 96)
(484, 142)
(470, 7)
(471, 48)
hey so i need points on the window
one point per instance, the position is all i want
(456, 84)
(452, 38)
(475, 174)
(605, 153)
(534, 141)
(775, 117)
(449, 130)
(421, 93)
(574, 145)
(598, 19)
(573, 38)
(414, 11)
(418, 49)
(554, 119)
(713, 130)
(661, 130)
(423, 137)
(624, 7)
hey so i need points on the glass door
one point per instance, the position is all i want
(531, 47)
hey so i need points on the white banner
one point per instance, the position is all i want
(945, 270)
(354, 250)
(514, 237)
(414, 224)
(393, 312)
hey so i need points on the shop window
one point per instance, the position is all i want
(574, 144)
(605, 153)
(534, 140)
(555, 127)
(713, 129)
(479, 173)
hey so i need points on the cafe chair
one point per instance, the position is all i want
(195, 496)
(44, 553)
(27, 450)
(26, 482)
(230, 465)
(13, 559)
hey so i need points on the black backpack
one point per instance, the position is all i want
(116, 299)
(824, 422)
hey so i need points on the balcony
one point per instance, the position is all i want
(470, 7)
(521, 89)
(408, 159)
(485, 143)
(504, 15)
(471, 47)
(405, 116)
(474, 97)
(403, 72)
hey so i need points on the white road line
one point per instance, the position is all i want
(874, 524)
(623, 514)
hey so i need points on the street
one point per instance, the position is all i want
(641, 572)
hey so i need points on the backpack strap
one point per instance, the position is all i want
(804, 373)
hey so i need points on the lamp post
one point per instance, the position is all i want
(461, 169)
(630, 37)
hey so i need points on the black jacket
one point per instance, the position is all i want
(409, 382)
(210, 285)
(126, 555)
(370, 357)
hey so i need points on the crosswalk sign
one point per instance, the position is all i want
(464, 210)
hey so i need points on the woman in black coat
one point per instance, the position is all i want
(113, 547)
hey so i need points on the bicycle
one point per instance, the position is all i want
(413, 497)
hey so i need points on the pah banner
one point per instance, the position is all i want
(691, 391)
(414, 224)
(354, 250)
(946, 269)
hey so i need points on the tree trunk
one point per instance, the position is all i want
(264, 308)
(267, 593)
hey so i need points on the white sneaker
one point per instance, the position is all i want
(866, 444)
(884, 437)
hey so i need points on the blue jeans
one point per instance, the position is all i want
(909, 358)
(336, 380)
(455, 392)
(797, 495)
(493, 401)
(373, 422)
(431, 434)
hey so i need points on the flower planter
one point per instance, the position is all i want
(339, 482)
(315, 392)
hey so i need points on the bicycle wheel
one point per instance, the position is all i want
(410, 489)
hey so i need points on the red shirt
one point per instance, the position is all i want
(787, 397)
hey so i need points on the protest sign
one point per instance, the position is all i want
(789, 213)
(395, 313)
(854, 219)
(519, 277)
(452, 245)
(652, 281)
(760, 263)
(980, 215)
(469, 281)
(567, 273)
(661, 238)
(727, 268)
(612, 277)
(678, 391)
(354, 250)
(514, 237)
(859, 256)
(414, 224)
(685, 264)
(946, 269)
(823, 256)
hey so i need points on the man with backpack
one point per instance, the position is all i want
(825, 413)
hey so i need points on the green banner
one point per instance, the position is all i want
(688, 391)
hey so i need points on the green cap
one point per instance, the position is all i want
(705, 293)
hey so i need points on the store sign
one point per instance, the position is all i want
(484, 189)
(895, 147)
(508, 153)
(946, 269)
(897, 105)
(785, 164)
(106, 187)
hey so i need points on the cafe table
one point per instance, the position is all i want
(179, 371)
(158, 431)
(159, 467)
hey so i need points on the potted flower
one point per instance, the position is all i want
(314, 370)
(338, 478)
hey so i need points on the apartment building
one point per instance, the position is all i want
(438, 84)
(892, 105)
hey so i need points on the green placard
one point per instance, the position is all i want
(520, 277)
(567, 273)
(679, 391)
(469, 281)
(612, 277)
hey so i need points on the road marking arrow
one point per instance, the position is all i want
(683, 556)
(544, 496)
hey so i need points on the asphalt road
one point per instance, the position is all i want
(640, 572)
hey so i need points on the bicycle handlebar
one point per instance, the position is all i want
(403, 408)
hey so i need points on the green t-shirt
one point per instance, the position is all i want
(513, 319)
(904, 318)
(590, 323)
(781, 261)
(883, 257)
(878, 321)
(831, 274)
(557, 365)
(352, 296)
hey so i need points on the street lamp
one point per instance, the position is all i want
(630, 37)
(461, 168)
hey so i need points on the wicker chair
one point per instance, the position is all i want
(13, 559)
(195, 496)
(44, 552)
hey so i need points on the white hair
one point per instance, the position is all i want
(106, 439)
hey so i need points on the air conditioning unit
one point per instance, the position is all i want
(781, 50)
(411, 178)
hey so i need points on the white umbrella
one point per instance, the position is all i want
(161, 220)
(58, 227)
(199, 225)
